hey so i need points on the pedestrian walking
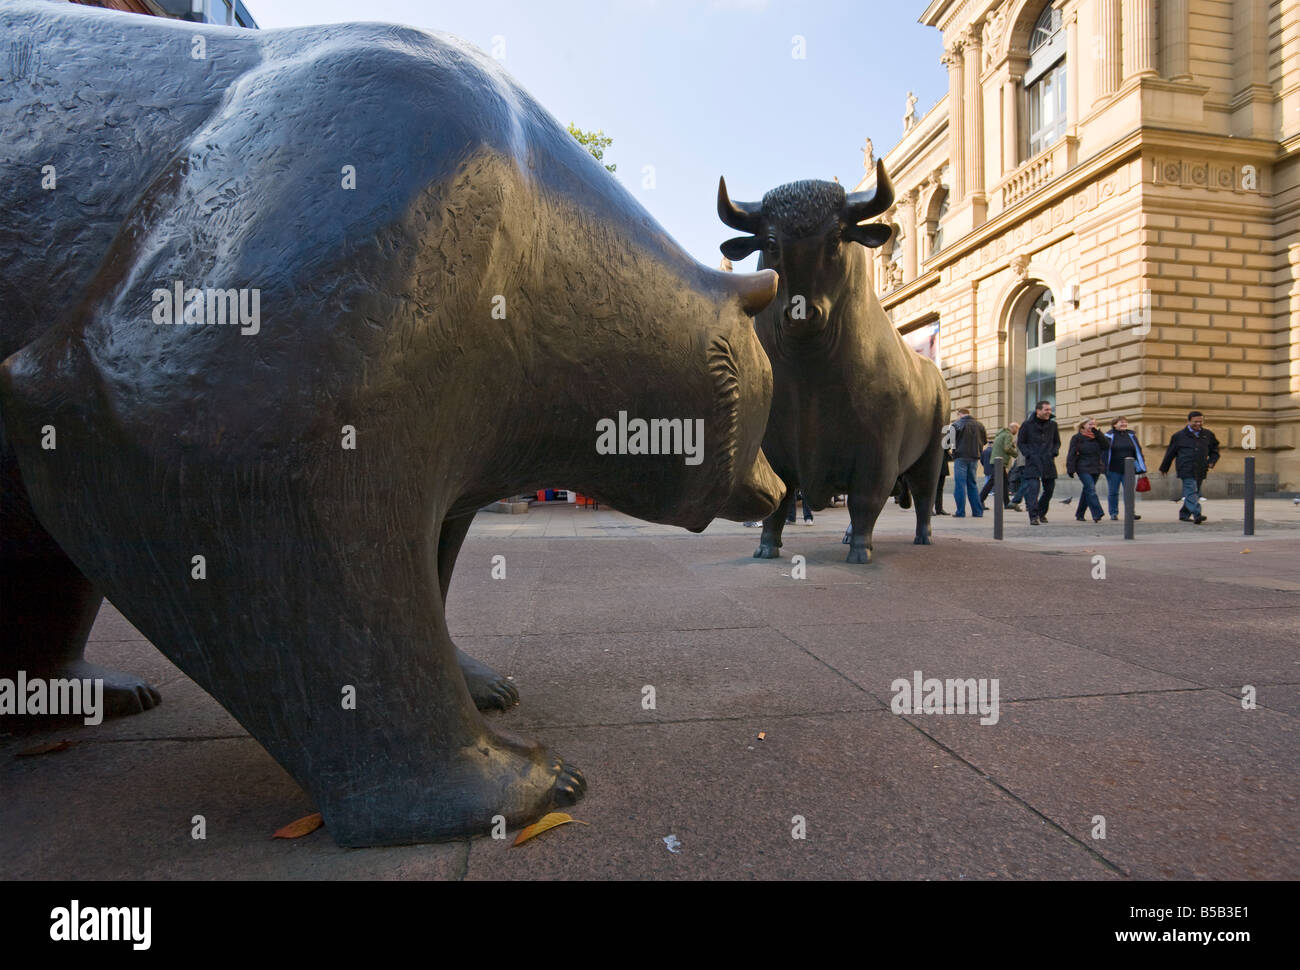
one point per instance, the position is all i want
(1039, 442)
(1121, 443)
(1085, 457)
(969, 439)
(986, 463)
(943, 476)
(1018, 484)
(1193, 451)
(1004, 447)
(807, 512)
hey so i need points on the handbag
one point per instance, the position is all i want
(1144, 484)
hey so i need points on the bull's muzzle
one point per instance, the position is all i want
(757, 495)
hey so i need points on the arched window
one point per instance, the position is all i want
(936, 241)
(1040, 351)
(896, 247)
(1045, 81)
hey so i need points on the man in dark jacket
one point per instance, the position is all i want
(1193, 451)
(969, 439)
(1039, 442)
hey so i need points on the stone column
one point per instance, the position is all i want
(911, 243)
(974, 109)
(1072, 67)
(1139, 38)
(956, 121)
(1108, 48)
(1010, 125)
(1175, 53)
(1250, 44)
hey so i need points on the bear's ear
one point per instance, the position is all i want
(874, 234)
(740, 247)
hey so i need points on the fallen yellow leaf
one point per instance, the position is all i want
(48, 748)
(544, 824)
(304, 826)
(1244, 551)
(762, 735)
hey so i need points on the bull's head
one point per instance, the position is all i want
(802, 230)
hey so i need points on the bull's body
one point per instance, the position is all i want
(482, 298)
(854, 408)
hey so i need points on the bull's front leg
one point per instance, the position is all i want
(769, 544)
(867, 496)
(923, 478)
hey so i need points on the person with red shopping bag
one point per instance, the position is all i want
(1122, 443)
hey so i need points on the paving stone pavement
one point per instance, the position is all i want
(1118, 697)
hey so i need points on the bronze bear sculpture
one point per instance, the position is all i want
(854, 408)
(427, 296)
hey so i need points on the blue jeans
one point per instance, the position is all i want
(963, 479)
(1191, 503)
(1115, 488)
(1088, 497)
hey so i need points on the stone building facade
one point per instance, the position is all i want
(1104, 211)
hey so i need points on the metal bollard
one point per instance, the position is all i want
(998, 472)
(1130, 495)
(1249, 528)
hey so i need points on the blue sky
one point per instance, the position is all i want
(695, 88)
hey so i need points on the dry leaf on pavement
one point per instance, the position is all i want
(48, 748)
(304, 826)
(544, 824)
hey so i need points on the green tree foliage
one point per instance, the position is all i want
(594, 141)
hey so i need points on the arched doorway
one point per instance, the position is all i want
(1040, 350)
(1031, 331)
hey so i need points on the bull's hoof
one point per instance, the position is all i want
(765, 551)
(490, 690)
(861, 555)
(921, 541)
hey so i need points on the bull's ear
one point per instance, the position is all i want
(740, 247)
(873, 234)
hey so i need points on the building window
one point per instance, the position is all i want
(896, 245)
(1045, 81)
(936, 241)
(1040, 351)
(894, 267)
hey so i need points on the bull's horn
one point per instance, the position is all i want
(863, 205)
(745, 216)
(755, 290)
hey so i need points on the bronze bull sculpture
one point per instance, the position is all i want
(854, 408)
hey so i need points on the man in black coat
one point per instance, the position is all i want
(1193, 451)
(1039, 442)
(969, 438)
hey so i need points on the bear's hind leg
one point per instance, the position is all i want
(489, 689)
(47, 606)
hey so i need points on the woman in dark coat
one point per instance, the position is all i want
(1122, 443)
(1086, 457)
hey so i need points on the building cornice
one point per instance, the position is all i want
(944, 13)
(931, 128)
(1145, 138)
(936, 9)
(901, 294)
